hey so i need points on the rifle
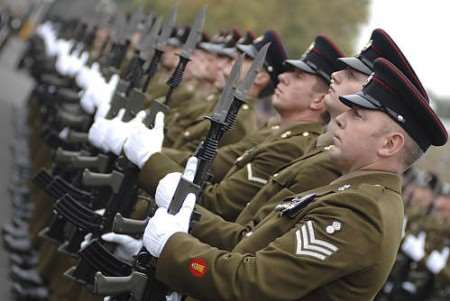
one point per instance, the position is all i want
(142, 284)
(185, 56)
(158, 50)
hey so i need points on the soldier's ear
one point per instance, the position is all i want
(262, 79)
(392, 144)
(318, 103)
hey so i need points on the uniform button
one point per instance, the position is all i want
(275, 127)
(330, 229)
(210, 97)
(275, 175)
(305, 134)
(186, 134)
(190, 88)
(328, 147)
(286, 134)
(245, 107)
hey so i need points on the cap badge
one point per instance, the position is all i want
(311, 46)
(258, 39)
(369, 79)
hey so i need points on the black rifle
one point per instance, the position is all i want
(142, 284)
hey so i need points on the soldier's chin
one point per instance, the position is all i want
(335, 153)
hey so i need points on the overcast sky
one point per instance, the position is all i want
(422, 30)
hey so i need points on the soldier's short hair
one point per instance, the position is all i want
(411, 152)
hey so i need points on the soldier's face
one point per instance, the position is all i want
(343, 82)
(224, 66)
(422, 197)
(169, 59)
(442, 206)
(358, 135)
(297, 90)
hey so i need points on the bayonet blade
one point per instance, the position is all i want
(226, 99)
(117, 35)
(133, 22)
(195, 34)
(148, 43)
(258, 62)
(167, 30)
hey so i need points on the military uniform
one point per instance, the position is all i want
(252, 170)
(160, 164)
(308, 252)
(244, 124)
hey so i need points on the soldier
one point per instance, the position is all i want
(315, 245)
(426, 274)
(299, 100)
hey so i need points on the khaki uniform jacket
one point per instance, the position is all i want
(181, 118)
(252, 170)
(191, 135)
(337, 242)
(160, 164)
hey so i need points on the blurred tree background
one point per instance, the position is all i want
(297, 21)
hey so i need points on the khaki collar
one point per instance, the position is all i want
(389, 180)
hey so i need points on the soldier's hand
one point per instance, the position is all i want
(127, 245)
(414, 247)
(144, 142)
(86, 240)
(174, 296)
(167, 186)
(98, 130)
(437, 260)
(119, 131)
(163, 225)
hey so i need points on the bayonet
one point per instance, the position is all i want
(223, 105)
(195, 34)
(240, 94)
(167, 30)
(148, 43)
(159, 48)
(258, 63)
(185, 56)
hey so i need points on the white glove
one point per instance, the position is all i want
(127, 245)
(437, 260)
(144, 142)
(87, 75)
(86, 240)
(167, 186)
(64, 134)
(99, 94)
(174, 296)
(119, 131)
(113, 124)
(414, 247)
(98, 130)
(103, 99)
(102, 110)
(77, 63)
(163, 225)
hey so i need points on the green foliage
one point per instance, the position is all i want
(298, 21)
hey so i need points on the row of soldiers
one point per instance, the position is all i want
(290, 189)
(422, 268)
